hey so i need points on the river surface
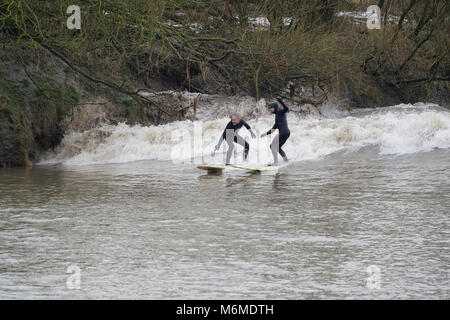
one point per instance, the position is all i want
(359, 223)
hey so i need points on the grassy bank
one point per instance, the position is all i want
(31, 108)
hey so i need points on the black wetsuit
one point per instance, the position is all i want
(230, 135)
(284, 132)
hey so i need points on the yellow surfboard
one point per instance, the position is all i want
(257, 169)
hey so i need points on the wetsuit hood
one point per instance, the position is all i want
(274, 105)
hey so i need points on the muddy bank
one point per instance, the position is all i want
(42, 100)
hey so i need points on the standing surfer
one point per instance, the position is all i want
(230, 135)
(283, 130)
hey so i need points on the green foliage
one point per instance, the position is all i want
(11, 105)
(53, 100)
(130, 42)
(35, 118)
(137, 39)
(10, 97)
(136, 113)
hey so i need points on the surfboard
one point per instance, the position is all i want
(211, 168)
(257, 169)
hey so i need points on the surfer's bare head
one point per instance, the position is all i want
(235, 118)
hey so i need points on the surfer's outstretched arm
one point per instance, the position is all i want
(246, 125)
(285, 107)
(217, 147)
(275, 127)
(223, 136)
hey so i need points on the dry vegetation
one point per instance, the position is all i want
(208, 45)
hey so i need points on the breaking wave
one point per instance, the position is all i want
(400, 129)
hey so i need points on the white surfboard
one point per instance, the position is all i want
(256, 169)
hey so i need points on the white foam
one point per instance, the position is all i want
(401, 129)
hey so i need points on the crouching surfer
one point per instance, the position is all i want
(283, 130)
(230, 135)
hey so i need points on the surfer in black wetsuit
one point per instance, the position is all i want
(283, 130)
(230, 135)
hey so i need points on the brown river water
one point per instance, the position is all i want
(350, 223)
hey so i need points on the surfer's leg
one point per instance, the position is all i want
(283, 154)
(230, 151)
(243, 143)
(282, 140)
(275, 147)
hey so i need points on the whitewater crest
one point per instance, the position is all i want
(400, 129)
